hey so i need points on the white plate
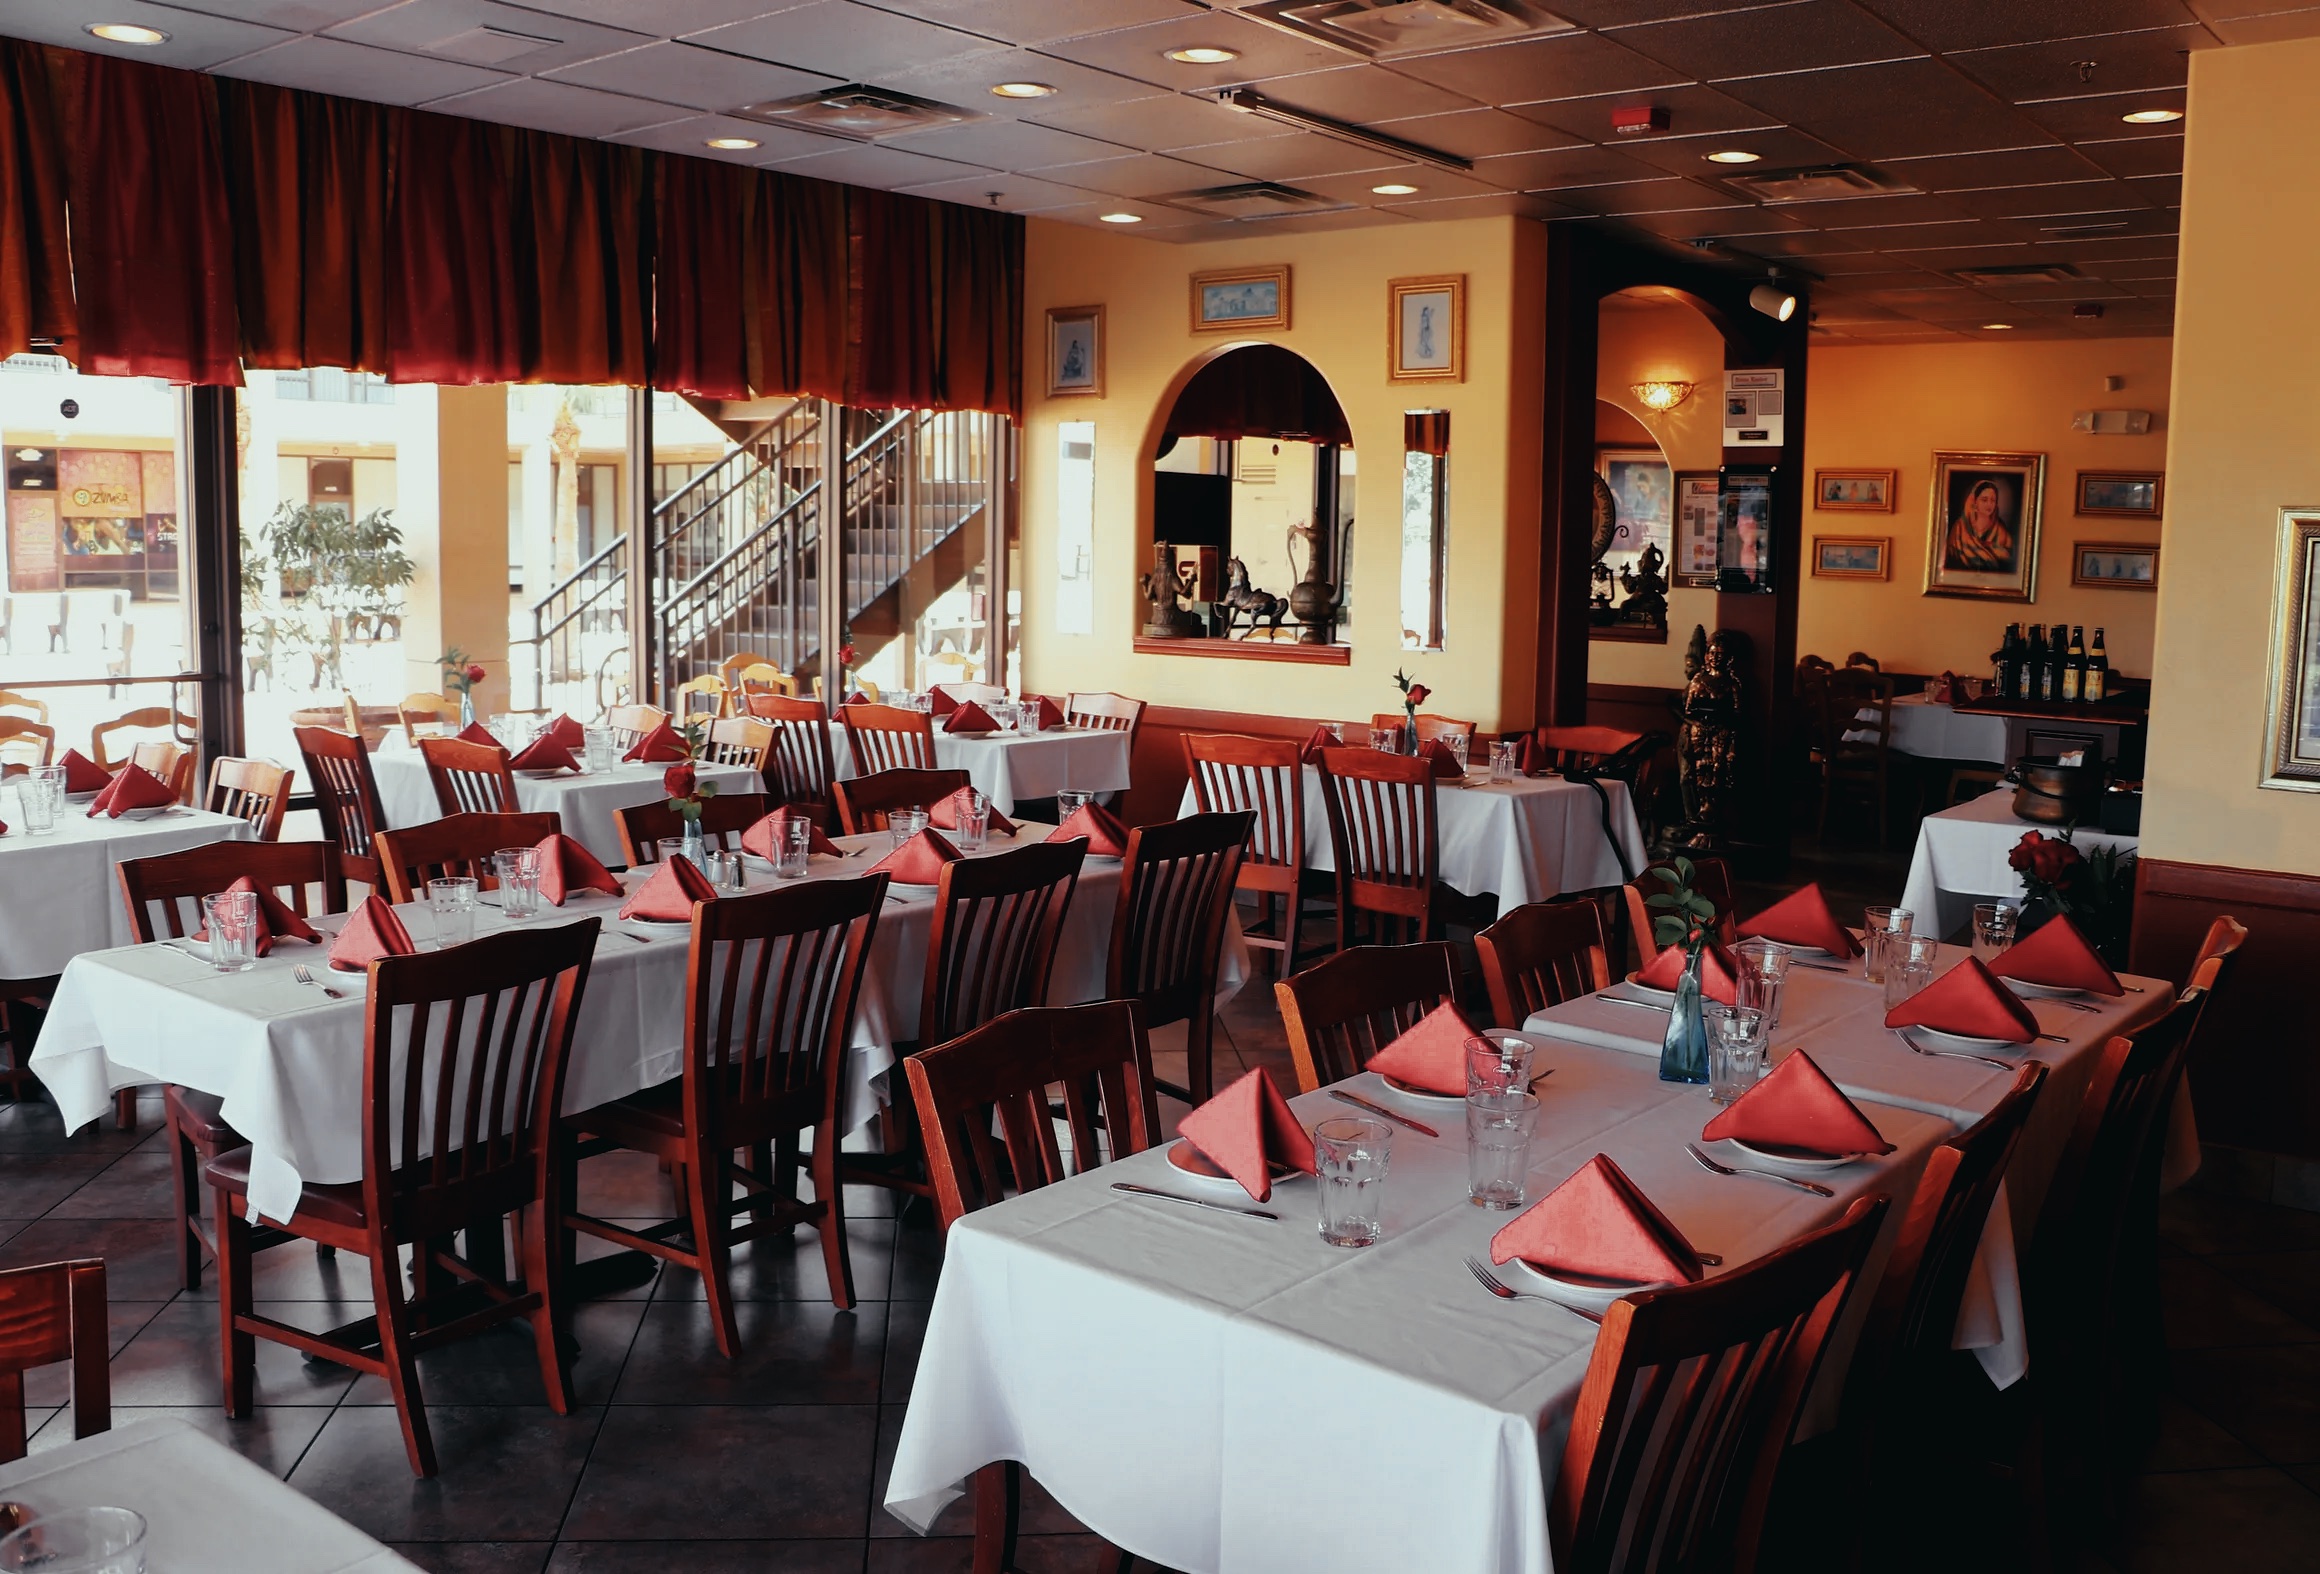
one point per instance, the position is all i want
(540, 773)
(158, 811)
(1967, 1040)
(1190, 1164)
(673, 925)
(1420, 1095)
(1635, 982)
(1793, 1158)
(1589, 1294)
(83, 797)
(2023, 986)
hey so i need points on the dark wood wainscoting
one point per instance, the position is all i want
(1632, 707)
(2256, 1082)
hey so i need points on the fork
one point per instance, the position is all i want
(1498, 1287)
(1706, 1163)
(1954, 1054)
(304, 977)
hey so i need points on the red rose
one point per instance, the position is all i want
(474, 673)
(1419, 693)
(679, 781)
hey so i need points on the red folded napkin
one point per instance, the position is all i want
(1106, 836)
(374, 931)
(1533, 760)
(1050, 713)
(1431, 1054)
(668, 897)
(547, 752)
(1246, 1130)
(918, 861)
(1437, 754)
(767, 837)
(2058, 954)
(276, 921)
(1803, 918)
(1968, 999)
(1600, 1224)
(945, 815)
(567, 868)
(1322, 739)
(567, 732)
(82, 774)
(477, 732)
(1716, 966)
(663, 745)
(1797, 1106)
(940, 703)
(133, 787)
(969, 717)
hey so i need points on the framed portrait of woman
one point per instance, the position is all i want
(1983, 530)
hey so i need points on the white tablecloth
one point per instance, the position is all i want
(1961, 859)
(588, 801)
(207, 1509)
(59, 895)
(1923, 726)
(1525, 840)
(1010, 766)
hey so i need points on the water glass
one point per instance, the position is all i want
(1386, 740)
(1070, 801)
(1761, 978)
(672, 847)
(518, 872)
(1505, 761)
(1498, 1147)
(797, 841)
(1876, 924)
(1027, 717)
(41, 791)
(974, 821)
(1909, 963)
(1500, 1064)
(600, 749)
(78, 1541)
(1735, 1049)
(232, 917)
(1461, 747)
(1004, 712)
(903, 824)
(1351, 1154)
(453, 903)
(1993, 928)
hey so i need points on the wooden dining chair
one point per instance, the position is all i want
(346, 797)
(469, 778)
(169, 763)
(38, 745)
(798, 764)
(1430, 727)
(1385, 838)
(35, 709)
(644, 826)
(1689, 1403)
(456, 845)
(888, 738)
(1168, 930)
(1264, 777)
(770, 989)
(53, 1312)
(739, 740)
(631, 722)
(440, 1028)
(1711, 878)
(864, 802)
(1853, 745)
(174, 724)
(1541, 955)
(254, 790)
(701, 699)
(761, 677)
(1104, 711)
(436, 712)
(983, 1099)
(962, 690)
(1340, 1012)
(857, 684)
(163, 895)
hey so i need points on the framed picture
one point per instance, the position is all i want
(2132, 494)
(1744, 556)
(2294, 708)
(1982, 533)
(1231, 299)
(1075, 351)
(1853, 491)
(1426, 329)
(2115, 565)
(1639, 482)
(1852, 557)
(1699, 526)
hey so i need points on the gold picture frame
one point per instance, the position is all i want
(2122, 494)
(2115, 565)
(1235, 300)
(1426, 329)
(1983, 514)
(2292, 707)
(1840, 557)
(1075, 331)
(1854, 491)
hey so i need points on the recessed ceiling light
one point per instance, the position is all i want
(1394, 189)
(1997, 327)
(1122, 218)
(128, 33)
(1734, 156)
(1022, 90)
(2151, 117)
(731, 144)
(1203, 55)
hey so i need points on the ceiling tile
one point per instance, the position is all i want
(2277, 28)
(1948, 259)
(1172, 120)
(1142, 52)
(1903, 133)
(2026, 202)
(652, 16)
(1365, 95)
(1871, 213)
(1310, 223)
(2132, 156)
(1158, 219)
(433, 27)
(1039, 21)
(1434, 185)
(1801, 36)
(679, 73)
(1626, 13)
(2161, 191)
(1299, 156)
(1850, 264)
(1140, 175)
(1692, 111)
(968, 81)
(1017, 193)
(557, 106)
(197, 41)
(1005, 144)
(1977, 24)
(1664, 195)
(691, 136)
(298, 16)
(1703, 223)
(846, 40)
(1912, 87)
(1479, 205)
(2080, 67)
(2097, 119)
(1479, 133)
(2004, 167)
(1561, 167)
(883, 167)
(1560, 65)
(1777, 148)
(332, 65)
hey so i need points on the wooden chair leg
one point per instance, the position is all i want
(705, 1179)
(185, 1195)
(770, 1161)
(125, 1110)
(238, 1350)
(1291, 925)
(394, 1320)
(543, 1273)
(837, 1262)
(998, 1508)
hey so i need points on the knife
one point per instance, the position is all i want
(1197, 1202)
(1382, 1112)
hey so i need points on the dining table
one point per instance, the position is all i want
(1011, 767)
(1960, 859)
(62, 896)
(1936, 730)
(285, 1057)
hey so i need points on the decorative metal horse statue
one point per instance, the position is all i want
(1242, 599)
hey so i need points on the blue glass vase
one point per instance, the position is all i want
(1683, 1054)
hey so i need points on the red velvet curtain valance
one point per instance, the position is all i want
(1259, 390)
(36, 297)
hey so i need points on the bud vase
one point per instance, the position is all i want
(466, 710)
(696, 848)
(1683, 1055)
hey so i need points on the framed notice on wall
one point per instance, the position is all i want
(1744, 560)
(2293, 709)
(1699, 526)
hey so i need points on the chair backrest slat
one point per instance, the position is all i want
(54, 1312)
(1264, 776)
(1541, 955)
(739, 740)
(992, 946)
(469, 778)
(798, 765)
(254, 790)
(164, 892)
(631, 722)
(888, 737)
(1176, 891)
(456, 845)
(864, 802)
(1383, 831)
(1340, 1012)
(644, 826)
(346, 795)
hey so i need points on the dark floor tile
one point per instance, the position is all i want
(507, 1473)
(792, 1353)
(33, 1183)
(2206, 1221)
(956, 1555)
(2289, 1280)
(789, 1267)
(33, 1126)
(625, 1185)
(140, 1254)
(2267, 1398)
(917, 1256)
(2187, 1440)
(177, 1359)
(273, 1436)
(501, 1366)
(2205, 1309)
(905, 1334)
(134, 1186)
(639, 1275)
(301, 1271)
(709, 1557)
(1041, 1514)
(2250, 1521)
(670, 1473)
(477, 1557)
(52, 1385)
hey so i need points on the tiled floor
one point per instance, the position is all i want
(776, 1461)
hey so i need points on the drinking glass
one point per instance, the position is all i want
(1498, 1146)
(1351, 1154)
(1386, 740)
(453, 903)
(797, 842)
(1027, 717)
(903, 824)
(1498, 1065)
(1762, 978)
(974, 822)
(1070, 801)
(41, 791)
(518, 870)
(1505, 761)
(232, 917)
(1735, 1049)
(1004, 712)
(1993, 928)
(1909, 961)
(673, 847)
(598, 746)
(1460, 747)
(1876, 924)
(78, 1541)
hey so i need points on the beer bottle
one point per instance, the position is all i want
(2074, 665)
(2098, 672)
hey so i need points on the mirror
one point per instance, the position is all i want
(1425, 527)
(1075, 527)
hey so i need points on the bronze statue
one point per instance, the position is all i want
(1243, 599)
(1164, 590)
(1708, 743)
(1646, 588)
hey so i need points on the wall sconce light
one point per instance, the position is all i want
(1662, 397)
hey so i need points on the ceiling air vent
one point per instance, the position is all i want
(1821, 183)
(1380, 29)
(2018, 273)
(861, 113)
(1256, 199)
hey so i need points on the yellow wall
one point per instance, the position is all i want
(2243, 447)
(1338, 322)
(453, 510)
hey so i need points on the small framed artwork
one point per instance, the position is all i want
(2293, 709)
(1639, 489)
(1983, 525)
(1231, 299)
(1699, 526)
(2130, 494)
(1075, 351)
(2115, 565)
(1853, 491)
(1426, 329)
(1744, 552)
(1852, 557)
